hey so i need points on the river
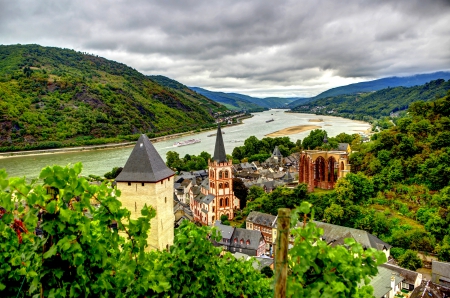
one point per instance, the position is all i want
(98, 162)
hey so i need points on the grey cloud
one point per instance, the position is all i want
(250, 45)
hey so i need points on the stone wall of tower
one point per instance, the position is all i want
(159, 195)
(222, 193)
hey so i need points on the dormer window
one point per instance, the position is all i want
(247, 242)
(235, 240)
(242, 241)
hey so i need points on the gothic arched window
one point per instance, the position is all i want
(220, 175)
(226, 174)
(221, 202)
(226, 201)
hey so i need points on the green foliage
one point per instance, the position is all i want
(443, 249)
(76, 254)
(320, 270)
(54, 243)
(58, 97)
(280, 197)
(113, 173)
(374, 105)
(240, 191)
(267, 271)
(410, 260)
(356, 188)
(397, 252)
(260, 150)
(188, 162)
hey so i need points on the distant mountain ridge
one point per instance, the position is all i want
(373, 105)
(379, 84)
(240, 101)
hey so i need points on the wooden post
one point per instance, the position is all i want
(281, 261)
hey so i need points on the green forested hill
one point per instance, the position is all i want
(365, 106)
(51, 97)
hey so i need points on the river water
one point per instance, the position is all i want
(98, 162)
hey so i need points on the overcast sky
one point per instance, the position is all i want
(255, 47)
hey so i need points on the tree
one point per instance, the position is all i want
(267, 271)
(173, 159)
(113, 173)
(443, 249)
(320, 270)
(240, 191)
(410, 260)
(54, 243)
(334, 214)
(314, 139)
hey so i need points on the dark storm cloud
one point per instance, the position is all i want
(303, 47)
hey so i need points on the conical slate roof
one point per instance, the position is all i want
(144, 164)
(276, 152)
(219, 150)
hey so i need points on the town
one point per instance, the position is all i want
(206, 197)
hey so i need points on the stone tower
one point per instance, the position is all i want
(221, 180)
(145, 179)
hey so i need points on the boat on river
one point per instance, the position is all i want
(187, 142)
(270, 120)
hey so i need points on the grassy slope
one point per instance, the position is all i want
(70, 97)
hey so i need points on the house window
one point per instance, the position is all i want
(221, 202)
(226, 201)
(129, 183)
(247, 242)
(142, 183)
(227, 185)
(220, 175)
(214, 208)
(162, 181)
(220, 185)
(212, 219)
(165, 199)
(235, 240)
(242, 241)
(226, 174)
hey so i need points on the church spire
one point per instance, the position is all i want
(219, 150)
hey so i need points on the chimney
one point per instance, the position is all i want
(393, 282)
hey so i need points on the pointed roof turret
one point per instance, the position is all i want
(144, 164)
(325, 139)
(219, 150)
(276, 152)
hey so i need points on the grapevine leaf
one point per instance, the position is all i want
(51, 252)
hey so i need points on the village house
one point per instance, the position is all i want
(440, 273)
(263, 222)
(411, 279)
(335, 235)
(249, 242)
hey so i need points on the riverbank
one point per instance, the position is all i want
(292, 130)
(111, 145)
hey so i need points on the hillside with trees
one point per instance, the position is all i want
(52, 97)
(231, 102)
(374, 105)
(375, 85)
(252, 104)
